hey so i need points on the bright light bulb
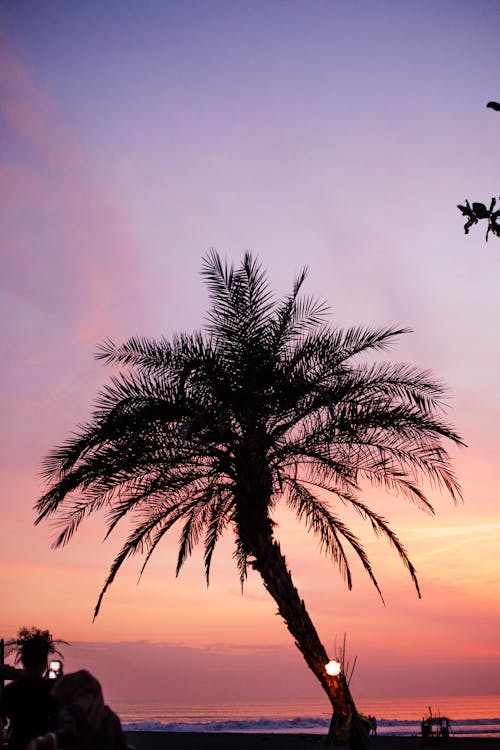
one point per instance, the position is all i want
(332, 668)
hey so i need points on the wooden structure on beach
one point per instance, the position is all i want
(435, 728)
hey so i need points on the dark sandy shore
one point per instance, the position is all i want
(240, 741)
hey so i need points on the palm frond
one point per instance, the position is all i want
(210, 430)
(136, 352)
(220, 515)
(381, 527)
(161, 519)
(191, 532)
(240, 556)
(328, 528)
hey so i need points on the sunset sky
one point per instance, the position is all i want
(338, 135)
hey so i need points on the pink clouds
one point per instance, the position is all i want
(64, 238)
(70, 275)
(28, 113)
(63, 243)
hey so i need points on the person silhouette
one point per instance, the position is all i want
(84, 721)
(26, 701)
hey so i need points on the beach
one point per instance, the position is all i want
(284, 741)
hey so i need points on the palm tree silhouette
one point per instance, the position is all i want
(211, 430)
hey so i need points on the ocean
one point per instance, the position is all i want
(477, 715)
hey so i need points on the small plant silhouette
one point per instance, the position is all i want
(29, 638)
(478, 211)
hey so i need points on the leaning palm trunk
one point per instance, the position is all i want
(270, 562)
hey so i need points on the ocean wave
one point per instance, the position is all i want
(231, 725)
(312, 725)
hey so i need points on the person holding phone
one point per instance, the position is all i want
(27, 702)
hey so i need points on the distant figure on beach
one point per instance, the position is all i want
(373, 725)
(84, 722)
(26, 701)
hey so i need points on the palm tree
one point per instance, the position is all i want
(211, 430)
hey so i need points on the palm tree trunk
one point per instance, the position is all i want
(345, 727)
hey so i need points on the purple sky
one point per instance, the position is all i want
(338, 135)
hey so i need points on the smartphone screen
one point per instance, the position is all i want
(55, 669)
